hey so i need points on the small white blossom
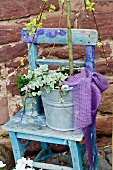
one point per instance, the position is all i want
(20, 166)
(22, 161)
(30, 162)
(2, 165)
(23, 164)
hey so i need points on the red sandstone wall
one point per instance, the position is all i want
(13, 16)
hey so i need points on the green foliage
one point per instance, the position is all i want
(99, 44)
(52, 8)
(33, 25)
(61, 1)
(43, 77)
(45, 0)
(61, 100)
(21, 81)
(89, 5)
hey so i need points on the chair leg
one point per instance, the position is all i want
(94, 148)
(76, 155)
(16, 146)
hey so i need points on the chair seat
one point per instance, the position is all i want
(25, 127)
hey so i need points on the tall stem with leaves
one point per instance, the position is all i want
(68, 6)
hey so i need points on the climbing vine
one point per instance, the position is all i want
(89, 5)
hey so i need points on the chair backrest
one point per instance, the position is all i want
(87, 37)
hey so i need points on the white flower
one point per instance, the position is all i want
(20, 166)
(2, 165)
(30, 162)
(23, 164)
(22, 161)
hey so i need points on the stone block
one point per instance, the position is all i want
(103, 13)
(103, 164)
(16, 64)
(103, 68)
(4, 115)
(19, 8)
(104, 126)
(106, 105)
(10, 33)
(54, 20)
(103, 141)
(9, 52)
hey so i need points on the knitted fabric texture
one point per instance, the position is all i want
(87, 89)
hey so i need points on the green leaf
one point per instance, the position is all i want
(39, 93)
(61, 1)
(99, 44)
(39, 25)
(34, 93)
(89, 5)
(33, 21)
(52, 8)
(22, 62)
(35, 112)
(45, 0)
(28, 27)
(43, 16)
(48, 88)
(21, 103)
(29, 95)
(34, 101)
(61, 100)
(30, 105)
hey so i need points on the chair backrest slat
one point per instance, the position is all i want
(87, 37)
(59, 36)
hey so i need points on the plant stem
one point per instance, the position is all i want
(68, 6)
(24, 108)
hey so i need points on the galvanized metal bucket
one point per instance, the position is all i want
(59, 116)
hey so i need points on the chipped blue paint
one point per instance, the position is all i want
(90, 58)
(47, 32)
(59, 36)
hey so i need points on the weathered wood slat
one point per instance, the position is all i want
(33, 55)
(25, 127)
(16, 145)
(26, 145)
(90, 58)
(59, 36)
(76, 156)
(76, 63)
(50, 166)
(42, 138)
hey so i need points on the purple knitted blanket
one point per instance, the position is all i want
(87, 89)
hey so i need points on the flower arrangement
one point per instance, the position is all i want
(43, 77)
(30, 84)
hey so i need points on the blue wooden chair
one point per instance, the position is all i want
(32, 132)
